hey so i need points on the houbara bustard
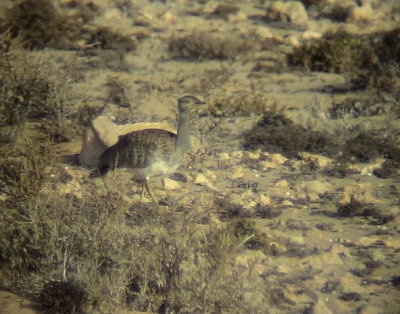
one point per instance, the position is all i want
(152, 152)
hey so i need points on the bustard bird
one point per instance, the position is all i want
(152, 152)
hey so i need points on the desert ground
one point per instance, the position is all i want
(288, 201)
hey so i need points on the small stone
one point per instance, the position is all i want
(251, 155)
(320, 161)
(265, 200)
(267, 165)
(201, 179)
(287, 12)
(170, 185)
(282, 184)
(169, 17)
(287, 203)
(308, 35)
(113, 14)
(224, 156)
(292, 41)
(362, 14)
(238, 173)
(278, 158)
(237, 154)
(246, 195)
(238, 17)
(369, 170)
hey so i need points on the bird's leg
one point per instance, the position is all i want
(151, 194)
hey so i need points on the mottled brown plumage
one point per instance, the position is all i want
(152, 152)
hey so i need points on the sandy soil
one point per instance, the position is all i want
(338, 264)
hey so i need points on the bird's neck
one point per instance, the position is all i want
(183, 136)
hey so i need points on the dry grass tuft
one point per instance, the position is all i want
(203, 45)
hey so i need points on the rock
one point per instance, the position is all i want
(292, 41)
(113, 14)
(266, 165)
(265, 200)
(362, 14)
(320, 161)
(238, 173)
(287, 12)
(278, 158)
(224, 157)
(264, 32)
(287, 203)
(251, 156)
(202, 180)
(238, 17)
(170, 184)
(308, 35)
(313, 189)
(282, 184)
(369, 170)
(100, 134)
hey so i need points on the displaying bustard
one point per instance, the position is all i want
(152, 152)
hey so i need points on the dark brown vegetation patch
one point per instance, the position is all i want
(276, 133)
(39, 24)
(368, 61)
(207, 45)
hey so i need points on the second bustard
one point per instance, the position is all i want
(152, 152)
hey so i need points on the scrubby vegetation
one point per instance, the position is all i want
(368, 61)
(238, 105)
(276, 133)
(39, 24)
(203, 45)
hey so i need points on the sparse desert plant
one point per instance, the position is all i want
(238, 105)
(203, 45)
(276, 133)
(40, 24)
(367, 61)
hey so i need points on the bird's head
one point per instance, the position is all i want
(188, 103)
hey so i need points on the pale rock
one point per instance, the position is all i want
(351, 283)
(393, 243)
(246, 195)
(367, 241)
(395, 223)
(370, 2)
(238, 173)
(170, 184)
(368, 170)
(287, 12)
(308, 35)
(313, 189)
(337, 306)
(265, 200)
(210, 7)
(321, 308)
(264, 32)
(251, 155)
(320, 161)
(169, 17)
(278, 158)
(113, 14)
(100, 134)
(224, 157)
(267, 165)
(362, 14)
(202, 180)
(292, 41)
(210, 174)
(238, 17)
(287, 203)
(282, 184)
(237, 154)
